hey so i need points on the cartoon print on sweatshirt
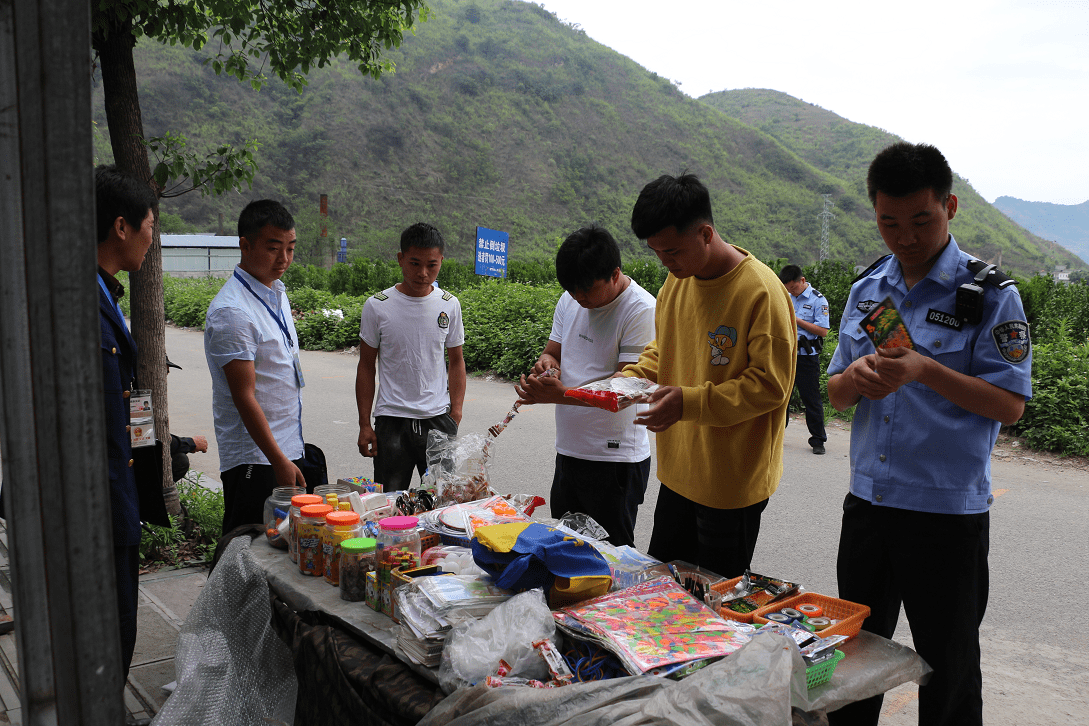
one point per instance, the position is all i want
(722, 338)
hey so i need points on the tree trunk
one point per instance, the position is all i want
(122, 102)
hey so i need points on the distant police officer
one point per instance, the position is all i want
(925, 422)
(811, 311)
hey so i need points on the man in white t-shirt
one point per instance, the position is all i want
(406, 334)
(601, 323)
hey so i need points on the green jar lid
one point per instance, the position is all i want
(358, 544)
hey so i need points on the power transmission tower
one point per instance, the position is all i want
(826, 218)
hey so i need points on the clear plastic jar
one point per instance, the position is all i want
(297, 503)
(311, 526)
(357, 557)
(277, 508)
(339, 526)
(332, 487)
(398, 548)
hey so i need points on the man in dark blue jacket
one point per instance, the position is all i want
(124, 220)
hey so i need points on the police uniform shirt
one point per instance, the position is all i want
(812, 307)
(914, 449)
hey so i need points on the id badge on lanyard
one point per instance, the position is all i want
(141, 421)
(298, 369)
(279, 320)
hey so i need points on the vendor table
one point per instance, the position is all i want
(873, 664)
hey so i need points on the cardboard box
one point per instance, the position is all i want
(360, 484)
(371, 597)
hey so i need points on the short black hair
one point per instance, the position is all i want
(422, 236)
(586, 256)
(262, 212)
(119, 194)
(902, 169)
(790, 273)
(671, 202)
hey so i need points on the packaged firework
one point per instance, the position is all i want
(884, 326)
(613, 394)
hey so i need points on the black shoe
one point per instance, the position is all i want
(818, 448)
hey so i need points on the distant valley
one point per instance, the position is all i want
(1067, 224)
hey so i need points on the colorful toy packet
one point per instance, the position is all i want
(613, 394)
(884, 326)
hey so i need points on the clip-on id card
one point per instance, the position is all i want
(141, 422)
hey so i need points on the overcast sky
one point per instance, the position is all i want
(1002, 88)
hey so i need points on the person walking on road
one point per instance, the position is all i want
(811, 315)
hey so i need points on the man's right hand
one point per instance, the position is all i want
(543, 363)
(288, 475)
(368, 442)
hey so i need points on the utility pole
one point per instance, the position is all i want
(826, 218)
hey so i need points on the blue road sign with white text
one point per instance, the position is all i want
(491, 252)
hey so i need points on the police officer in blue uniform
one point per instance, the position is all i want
(124, 221)
(811, 311)
(916, 523)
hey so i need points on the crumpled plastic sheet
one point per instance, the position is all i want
(474, 647)
(756, 686)
(232, 669)
(752, 687)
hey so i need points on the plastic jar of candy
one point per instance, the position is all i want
(297, 503)
(276, 510)
(398, 548)
(339, 526)
(311, 526)
(357, 558)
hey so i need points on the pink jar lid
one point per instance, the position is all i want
(398, 522)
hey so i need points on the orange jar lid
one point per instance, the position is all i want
(315, 510)
(302, 500)
(342, 519)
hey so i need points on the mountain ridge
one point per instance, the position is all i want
(1067, 224)
(501, 115)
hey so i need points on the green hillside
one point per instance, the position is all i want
(500, 115)
(843, 148)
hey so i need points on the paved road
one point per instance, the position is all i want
(1035, 645)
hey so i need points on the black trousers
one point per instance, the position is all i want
(936, 565)
(719, 540)
(126, 564)
(807, 379)
(608, 491)
(245, 489)
(402, 447)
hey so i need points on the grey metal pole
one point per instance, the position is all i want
(51, 400)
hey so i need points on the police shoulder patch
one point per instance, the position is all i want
(1012, 340)
(447, 296)
(381, 296)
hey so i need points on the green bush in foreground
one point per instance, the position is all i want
(1056, 417)
(190, 541)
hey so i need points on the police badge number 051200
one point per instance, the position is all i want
(1012, 339)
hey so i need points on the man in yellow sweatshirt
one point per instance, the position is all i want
(723, 355)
